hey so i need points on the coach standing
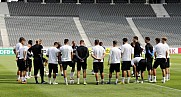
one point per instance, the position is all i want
(38, 61)
(82, 54)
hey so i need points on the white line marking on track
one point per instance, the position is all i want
(164, 87)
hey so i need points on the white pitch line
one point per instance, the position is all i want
(164, 87)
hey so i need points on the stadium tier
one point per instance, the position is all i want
(37, 9)
(49, 29)
(160, 27)
(128, 10)
(54, 22)
(173, 9)
(106, 29)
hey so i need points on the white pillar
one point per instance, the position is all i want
(8, 0)
(43, 2)
(112, 2)
(78, 2)
(147, 2)
(129, 1)
(25, 1)
(60, 1)
(95, 1)
(163, 2)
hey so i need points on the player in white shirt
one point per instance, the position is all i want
(16, 51)
(52, 55)
(22, 61)
(114, 61)
(28, 60)
(67, 55)
(126, 52)
(160, 53)
(164, 40)
(139, 64)
(98, 54)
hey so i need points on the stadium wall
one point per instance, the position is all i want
(9, 51)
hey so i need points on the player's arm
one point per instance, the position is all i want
(109, 58)
(92, 55)
(47, 55)
(72, 55)
(167, 54)
(87, 54)
(104, 54)
(25, 54)
(155, 55)
(77, 55)
(133, 64)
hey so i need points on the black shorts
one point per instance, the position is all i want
(53, 67)
(126, 65)
(98, 66)
(29, 63)
(22, 65)
(149, 62)
(17, 62)
(168, 63)
(114, 67)
(82, 65)
(65, 64)
(161, 62)
(38, 63)
(72, 64)
(141, 65)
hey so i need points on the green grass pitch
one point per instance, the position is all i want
(10, 88)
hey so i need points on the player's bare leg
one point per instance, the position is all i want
(97, 78)
(84, 76)
(129, 76)
(65, 76)
(78, 77)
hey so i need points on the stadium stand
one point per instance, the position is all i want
(86, 1)
(106, 29)
(127, 10)
(120, 1)
(100, 21)
(49, 29)
(37, 9)
(160, 27)
(173, 9)
(172, 1)
(137, 1)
